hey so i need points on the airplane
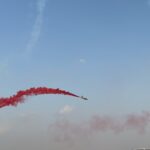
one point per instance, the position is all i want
(84, 98)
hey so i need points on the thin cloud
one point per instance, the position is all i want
(3, 66)
(35, 34)
(66, 109)
(4, 129)
(82, 60)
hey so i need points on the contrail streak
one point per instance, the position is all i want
(37, 26)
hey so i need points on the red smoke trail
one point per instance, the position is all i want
(135, 122)
(19, 96)
(65, 130)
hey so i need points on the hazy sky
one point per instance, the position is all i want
(95, 48)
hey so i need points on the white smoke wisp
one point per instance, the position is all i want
(66, 110)
(35, 34)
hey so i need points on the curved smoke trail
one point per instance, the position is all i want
(19, 96)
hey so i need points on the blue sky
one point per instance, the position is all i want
(95, 48)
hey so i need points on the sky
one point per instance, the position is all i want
(95, 48)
